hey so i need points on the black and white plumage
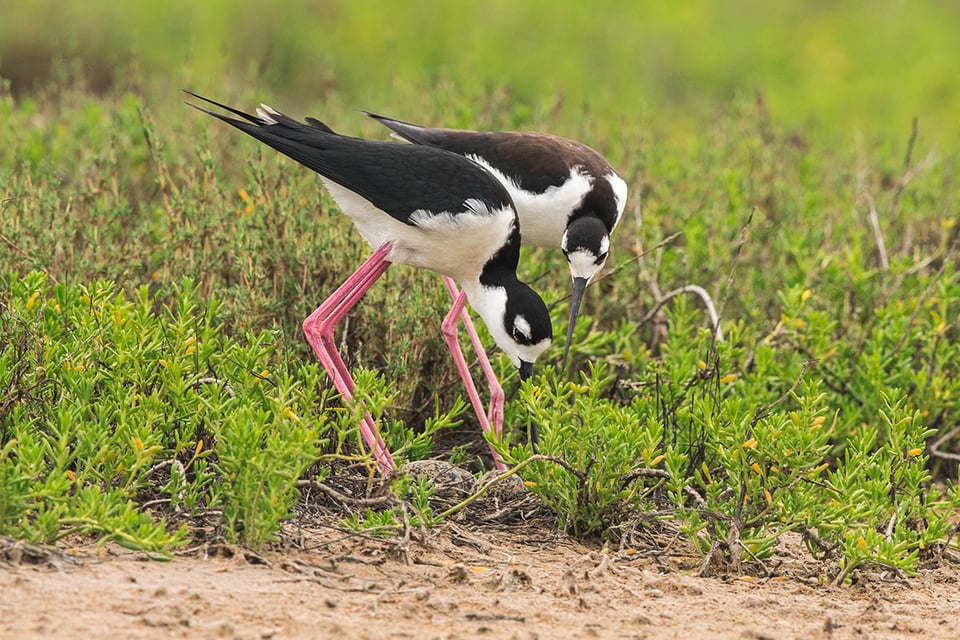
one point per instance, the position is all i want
(437, 209)
(567, 195)
(423, 207)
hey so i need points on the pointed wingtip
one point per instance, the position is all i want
(317, 124)
(375, 116)
(198, 97)
(205, 110)
(236, 112)
(397, 127)
(401, 130)
(207, 100)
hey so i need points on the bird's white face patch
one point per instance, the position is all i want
(530, 352)
(604, 245)
(543, 216)
(583, 264)
(521, 325)
(619, 194)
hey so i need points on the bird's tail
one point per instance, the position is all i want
(266, 116)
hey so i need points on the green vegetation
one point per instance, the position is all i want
(157, 266)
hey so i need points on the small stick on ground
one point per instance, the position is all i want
(935, 446)
(354, 502)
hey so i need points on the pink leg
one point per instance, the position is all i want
(492, 421)
(319, 327)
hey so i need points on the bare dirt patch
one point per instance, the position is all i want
(456, 582)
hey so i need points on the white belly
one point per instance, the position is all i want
(455, 245)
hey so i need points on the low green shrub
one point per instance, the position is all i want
(112, 403)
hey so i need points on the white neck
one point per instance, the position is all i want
(490, 303)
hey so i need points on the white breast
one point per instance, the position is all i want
(543, 216)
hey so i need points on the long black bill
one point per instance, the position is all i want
(526, 370)
(579, 286)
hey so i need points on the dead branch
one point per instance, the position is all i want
(945, 455)
(340, 497)
(718, 336)
(688, 288)
(877, 232)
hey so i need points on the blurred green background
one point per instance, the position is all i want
(860, 66)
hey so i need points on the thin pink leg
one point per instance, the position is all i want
(492, 421)
(319, 327)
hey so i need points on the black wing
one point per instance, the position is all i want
(397, 179)
(534, 161)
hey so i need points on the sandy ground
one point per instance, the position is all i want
(455, 582)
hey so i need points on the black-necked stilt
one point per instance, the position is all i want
(566, 193)
(423, 207)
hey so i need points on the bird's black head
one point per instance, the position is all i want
(526, 321)
(586, 244)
